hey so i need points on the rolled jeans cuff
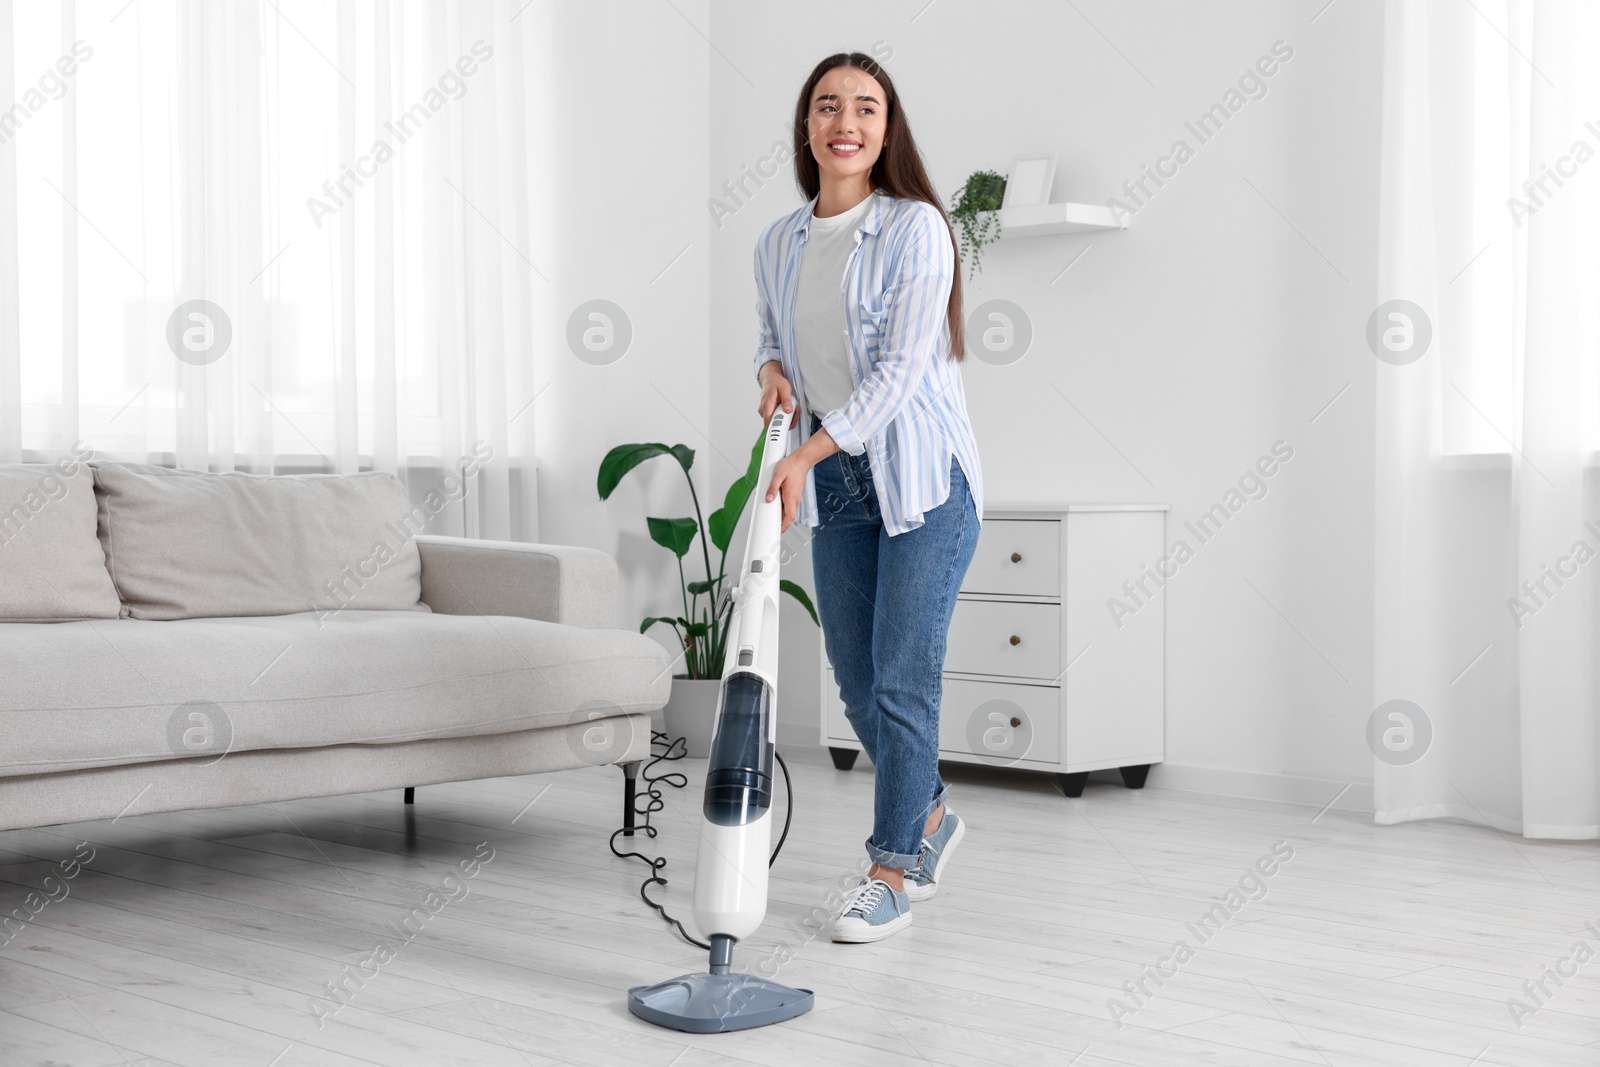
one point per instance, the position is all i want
(898, 860)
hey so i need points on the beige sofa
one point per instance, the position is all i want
(184, 640)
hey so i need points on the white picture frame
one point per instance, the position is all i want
(1029, 181)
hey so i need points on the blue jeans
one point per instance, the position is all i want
(885, 604)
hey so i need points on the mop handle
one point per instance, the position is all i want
(766, 520)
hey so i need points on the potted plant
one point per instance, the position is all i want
(975, 210)
(702, 629)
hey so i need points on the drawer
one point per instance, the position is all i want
(1015, 640)
(1016, 557)
(975, 722)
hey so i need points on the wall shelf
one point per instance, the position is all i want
(1041, 220)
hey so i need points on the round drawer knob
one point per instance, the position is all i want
(1016, 557)
(1015, 721)
(1015, 640)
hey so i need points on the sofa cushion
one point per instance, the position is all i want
(95, 694)
(194, 544)
(51, 564)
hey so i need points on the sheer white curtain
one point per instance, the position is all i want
(346, 184)
(1488, 519)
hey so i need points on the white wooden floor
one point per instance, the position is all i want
(199, 939)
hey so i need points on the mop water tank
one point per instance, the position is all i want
(739, 772)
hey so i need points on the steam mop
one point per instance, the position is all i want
(730, 877)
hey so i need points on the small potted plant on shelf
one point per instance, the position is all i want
(975, 210)
(702, 629)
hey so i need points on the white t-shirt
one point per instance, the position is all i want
(822, 344)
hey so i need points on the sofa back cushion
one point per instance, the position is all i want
(193, 544)
(51, 565)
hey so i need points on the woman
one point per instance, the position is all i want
(860, 326)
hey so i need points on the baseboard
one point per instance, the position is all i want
(1192, 778)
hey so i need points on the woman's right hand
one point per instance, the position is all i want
(775, 390)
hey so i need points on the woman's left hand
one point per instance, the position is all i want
(789, 481)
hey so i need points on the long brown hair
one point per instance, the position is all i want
(898, 170)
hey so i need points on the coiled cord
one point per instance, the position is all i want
(672, 749)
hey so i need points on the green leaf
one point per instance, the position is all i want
(675, 534)
(697, 629)
(653, 619)
(622, 459)
(684, 455)
(700, 587)
(799, 594)
(725, 519)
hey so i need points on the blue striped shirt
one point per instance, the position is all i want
(907, 410)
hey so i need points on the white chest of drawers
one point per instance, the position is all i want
(1044, 671)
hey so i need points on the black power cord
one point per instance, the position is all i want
(788, 807)
(673, 749)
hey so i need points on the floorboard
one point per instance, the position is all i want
(211, 937)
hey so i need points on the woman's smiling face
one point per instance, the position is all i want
(846, 123)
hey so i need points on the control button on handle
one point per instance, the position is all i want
(1016, 557)
(1015, 640)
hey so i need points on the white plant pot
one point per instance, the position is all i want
(691, 713)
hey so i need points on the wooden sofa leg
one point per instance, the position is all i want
(630, 785)
(411, 794)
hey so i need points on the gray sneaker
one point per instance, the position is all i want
(873, 913)
(922, 881)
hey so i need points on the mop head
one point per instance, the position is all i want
(704, 1003)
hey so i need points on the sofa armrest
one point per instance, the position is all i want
(555, 583)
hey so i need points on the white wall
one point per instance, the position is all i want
(619, 100)
(1194, 340)
(1222, 321)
